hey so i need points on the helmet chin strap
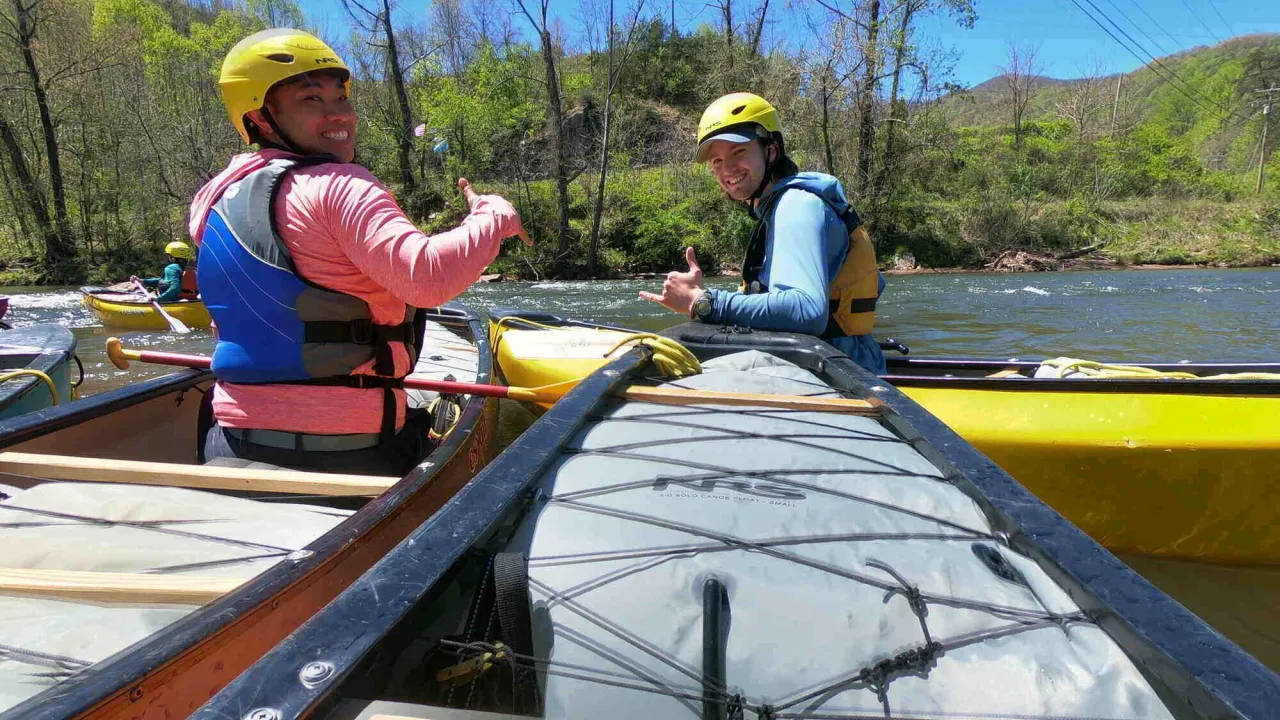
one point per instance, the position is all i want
(289, 144)
(764, 181)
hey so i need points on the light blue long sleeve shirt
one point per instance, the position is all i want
(806, 243)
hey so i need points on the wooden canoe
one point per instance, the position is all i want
(219, 621)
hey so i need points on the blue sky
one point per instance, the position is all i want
(1067, 40)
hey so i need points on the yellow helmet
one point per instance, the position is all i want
(180, 250)
(265, 58)
(725, 119)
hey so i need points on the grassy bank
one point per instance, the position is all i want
(651, 215)
(1148, 231)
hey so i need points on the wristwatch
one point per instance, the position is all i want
(700, 310)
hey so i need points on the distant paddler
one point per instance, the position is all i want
(179, 278)
(313, 273)
(810, 266)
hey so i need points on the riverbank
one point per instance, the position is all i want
(652, 215)
(931, 236)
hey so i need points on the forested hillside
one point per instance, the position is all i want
(110, 120)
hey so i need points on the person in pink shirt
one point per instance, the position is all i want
(313, 274)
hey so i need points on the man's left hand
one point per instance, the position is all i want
(680, 288)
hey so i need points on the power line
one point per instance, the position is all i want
(1204, 24)
(1225, 24)
(1146, 62)
(1153, 63)
(1161, 28)
(1157, 45)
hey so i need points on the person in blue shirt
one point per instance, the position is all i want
(810, 266)
(179, 281)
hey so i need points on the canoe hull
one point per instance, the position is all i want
(114, 311)
(170, 674)
(1164, 475)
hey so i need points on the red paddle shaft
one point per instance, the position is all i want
(120, 355)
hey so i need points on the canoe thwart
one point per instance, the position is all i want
(679, 396)
(203, 477)
(116, 587)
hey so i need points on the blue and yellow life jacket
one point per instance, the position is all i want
(274, 325)
(851, 294)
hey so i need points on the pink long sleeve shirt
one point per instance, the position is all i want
(347, 233)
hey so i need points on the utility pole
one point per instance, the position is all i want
(1115, 106)
(1270, 92)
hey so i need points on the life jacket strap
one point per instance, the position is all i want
(362, 331)
(857, 305)
(360, 382)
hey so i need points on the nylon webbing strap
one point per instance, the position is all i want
(858, 305)
(511, 598)
(360, 332)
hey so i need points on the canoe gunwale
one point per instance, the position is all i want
(992, 365)
(1190, 665)
(42, 422)
(1139, 386)
(121, 674)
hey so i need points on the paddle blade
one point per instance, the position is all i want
(175, 324)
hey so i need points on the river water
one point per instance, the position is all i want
(1165, 315)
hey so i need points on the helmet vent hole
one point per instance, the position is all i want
(285, 58)
(738, 109)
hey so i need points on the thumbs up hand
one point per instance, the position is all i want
(680, 288)
(508, 219)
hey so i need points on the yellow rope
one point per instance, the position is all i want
(28, 372)
(670, 357)
(1063, 365)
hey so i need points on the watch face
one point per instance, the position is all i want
(702, 307)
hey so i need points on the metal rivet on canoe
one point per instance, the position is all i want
(611, 373)
(135, 694)
(263, 713)
(879, 388)
(297, 555)
(314, 673)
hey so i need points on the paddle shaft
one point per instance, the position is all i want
(551, 393)
(175, 324)
(204, 362)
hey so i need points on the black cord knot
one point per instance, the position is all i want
(735, 707)
(916, 659)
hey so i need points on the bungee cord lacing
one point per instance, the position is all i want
(876, 677)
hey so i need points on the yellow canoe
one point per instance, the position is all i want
(130, 312)
(1181, 469)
